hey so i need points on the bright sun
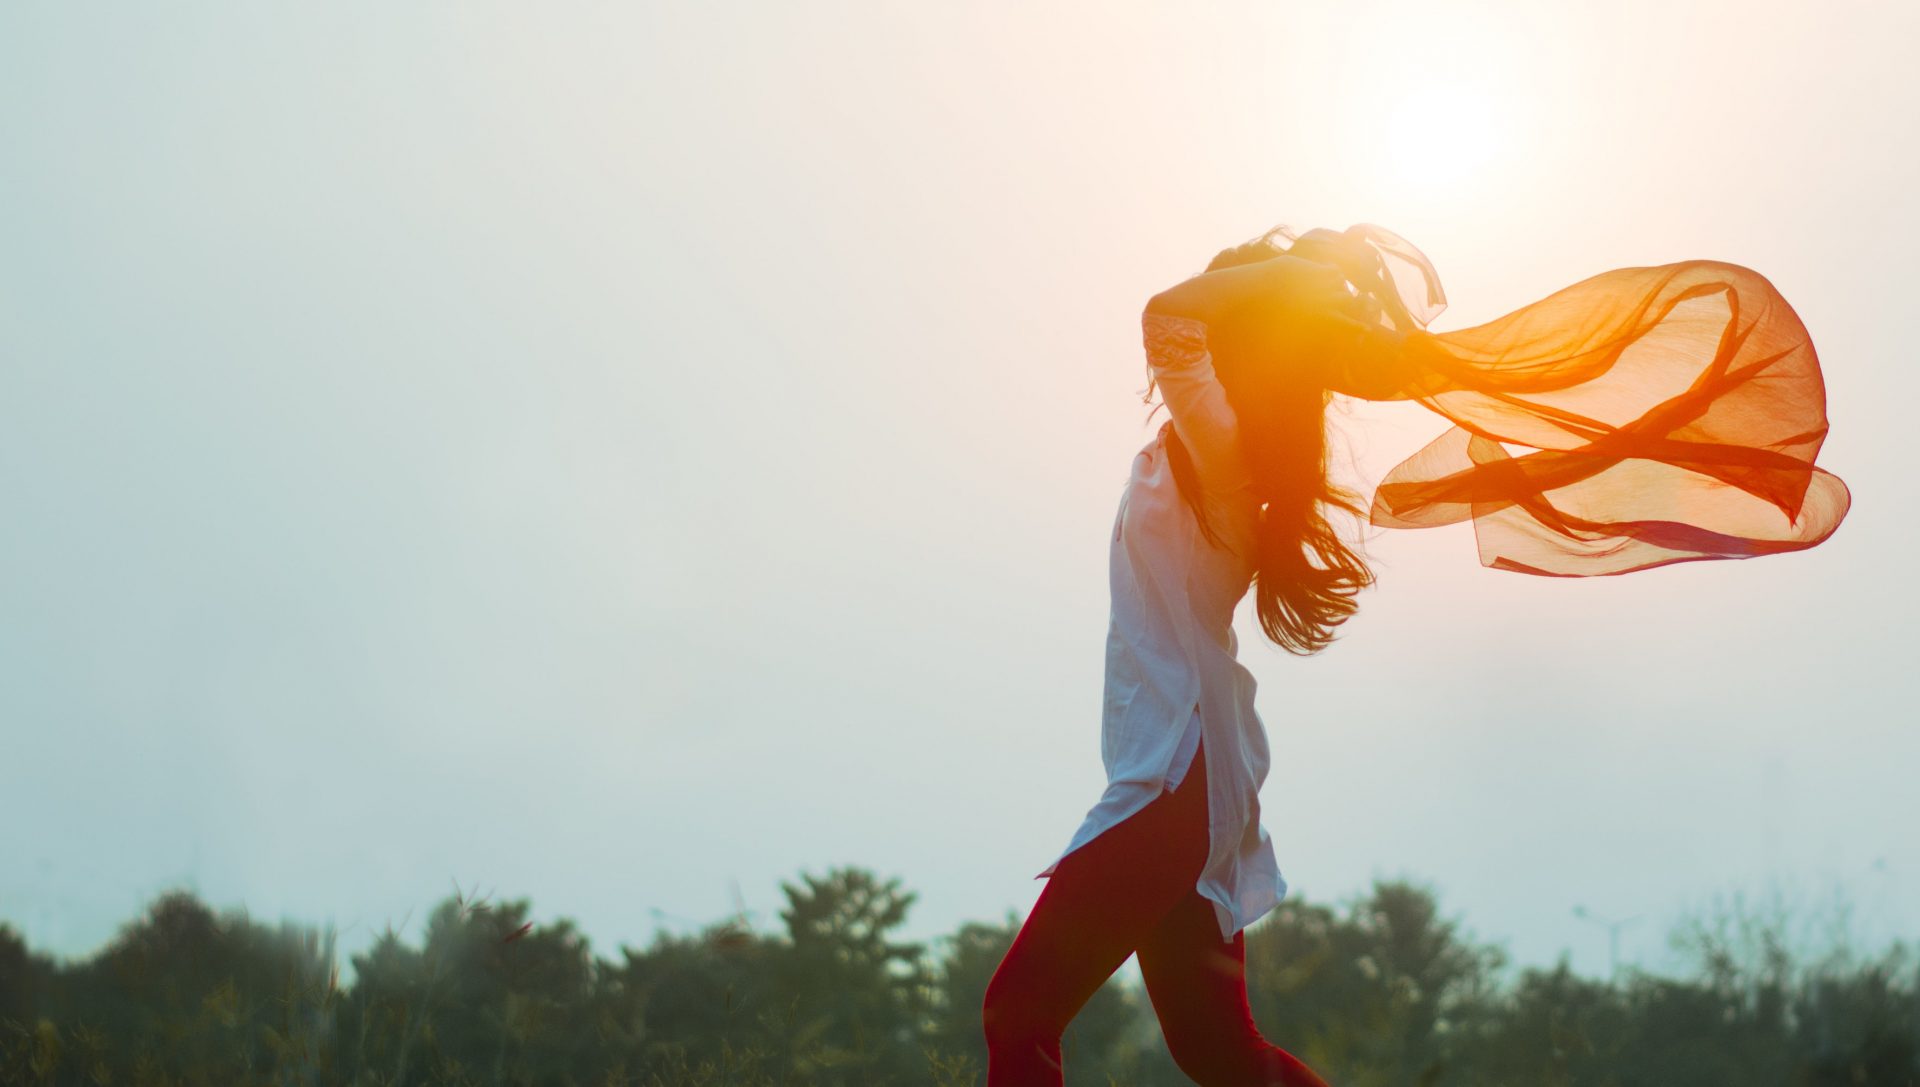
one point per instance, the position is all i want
(1442, 134)
(1448, 103)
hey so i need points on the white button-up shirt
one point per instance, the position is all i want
(1172, 671)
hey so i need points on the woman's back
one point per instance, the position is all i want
(1172, 676)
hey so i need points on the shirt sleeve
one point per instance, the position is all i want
(1183, 369)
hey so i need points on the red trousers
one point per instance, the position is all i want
(1130, 891)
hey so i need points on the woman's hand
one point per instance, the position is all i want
(1247, 252)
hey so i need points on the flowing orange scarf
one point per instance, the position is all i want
(1641, 417)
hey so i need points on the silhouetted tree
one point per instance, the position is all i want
(865, 994)
(187, 995)
(688, 1000)
(26, 979)
(1374, 993)
(1381, 991)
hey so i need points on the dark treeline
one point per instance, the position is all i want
(1381, 991)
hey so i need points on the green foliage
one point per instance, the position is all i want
(1381, 991)
(1378, 990)
(490, 997)
(862, 1000)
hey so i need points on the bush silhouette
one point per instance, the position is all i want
(1381, 990)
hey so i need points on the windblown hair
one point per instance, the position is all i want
(1306, 577)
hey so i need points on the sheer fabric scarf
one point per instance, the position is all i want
(1641, 417)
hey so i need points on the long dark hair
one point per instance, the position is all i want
(1306, 577)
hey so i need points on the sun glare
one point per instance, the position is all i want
(1442, 135)
(1447, 108)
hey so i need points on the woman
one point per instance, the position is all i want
(1672, 414)
(1184, 751)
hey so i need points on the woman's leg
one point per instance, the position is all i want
(1198, 985)
(1102, 900)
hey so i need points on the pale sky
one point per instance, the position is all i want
(610, 453)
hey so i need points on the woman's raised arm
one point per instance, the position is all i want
(1284, 307)
(1182, 368)
(1278, 284)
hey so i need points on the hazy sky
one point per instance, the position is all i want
(608, 453)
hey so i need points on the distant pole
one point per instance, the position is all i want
(1613, 936)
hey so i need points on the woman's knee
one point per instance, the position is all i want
(1018, 1013)
(1010, 1016)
